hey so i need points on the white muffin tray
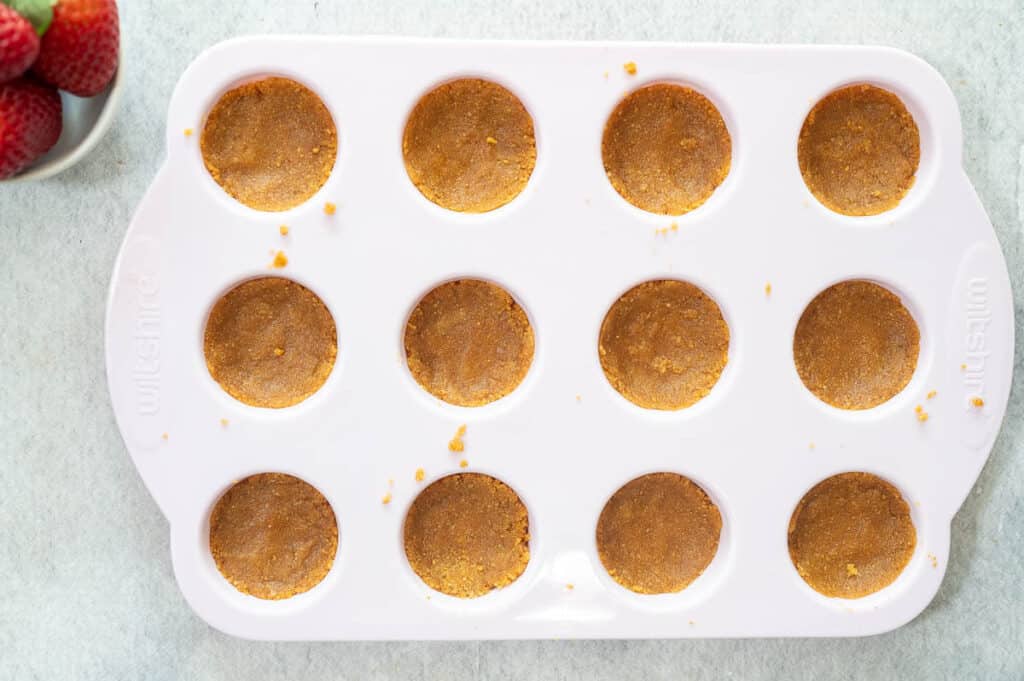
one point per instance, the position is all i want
(566, 248)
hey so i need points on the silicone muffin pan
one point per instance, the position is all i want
(762, 247)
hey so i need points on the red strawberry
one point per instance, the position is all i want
(19, 44)
(79, 50)
(30, 123)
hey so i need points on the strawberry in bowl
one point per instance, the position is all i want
(48, 46)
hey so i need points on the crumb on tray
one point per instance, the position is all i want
(456, 444)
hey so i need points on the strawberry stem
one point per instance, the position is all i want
(38, 12)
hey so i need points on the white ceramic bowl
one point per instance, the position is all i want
(86, 120)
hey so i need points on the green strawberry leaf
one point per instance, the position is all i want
(38, 12)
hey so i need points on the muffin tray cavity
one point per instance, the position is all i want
(562, 403)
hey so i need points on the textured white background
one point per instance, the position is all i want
(88, 591)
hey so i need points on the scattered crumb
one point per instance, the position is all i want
(934, 560)
(579, 398)
(463, 464)
(391, 482)
(768, 288)
(491, 140)
(811, 446)
(164, 437)
(674, 226)
(977, 402)
(386, 499)
(188, 132)
(278, 351)
(569, 587)
(456, 444)
(428, 597)
(931, 394)
(420, 474)
(224, 422)
(963, 367)
(330, 208)
(606, 75)
(630, 67)
(691, 622)
(922, 416)
(283, 229)
(280, 260)
(851, 570)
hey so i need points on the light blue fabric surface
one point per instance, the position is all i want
(88, 591)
